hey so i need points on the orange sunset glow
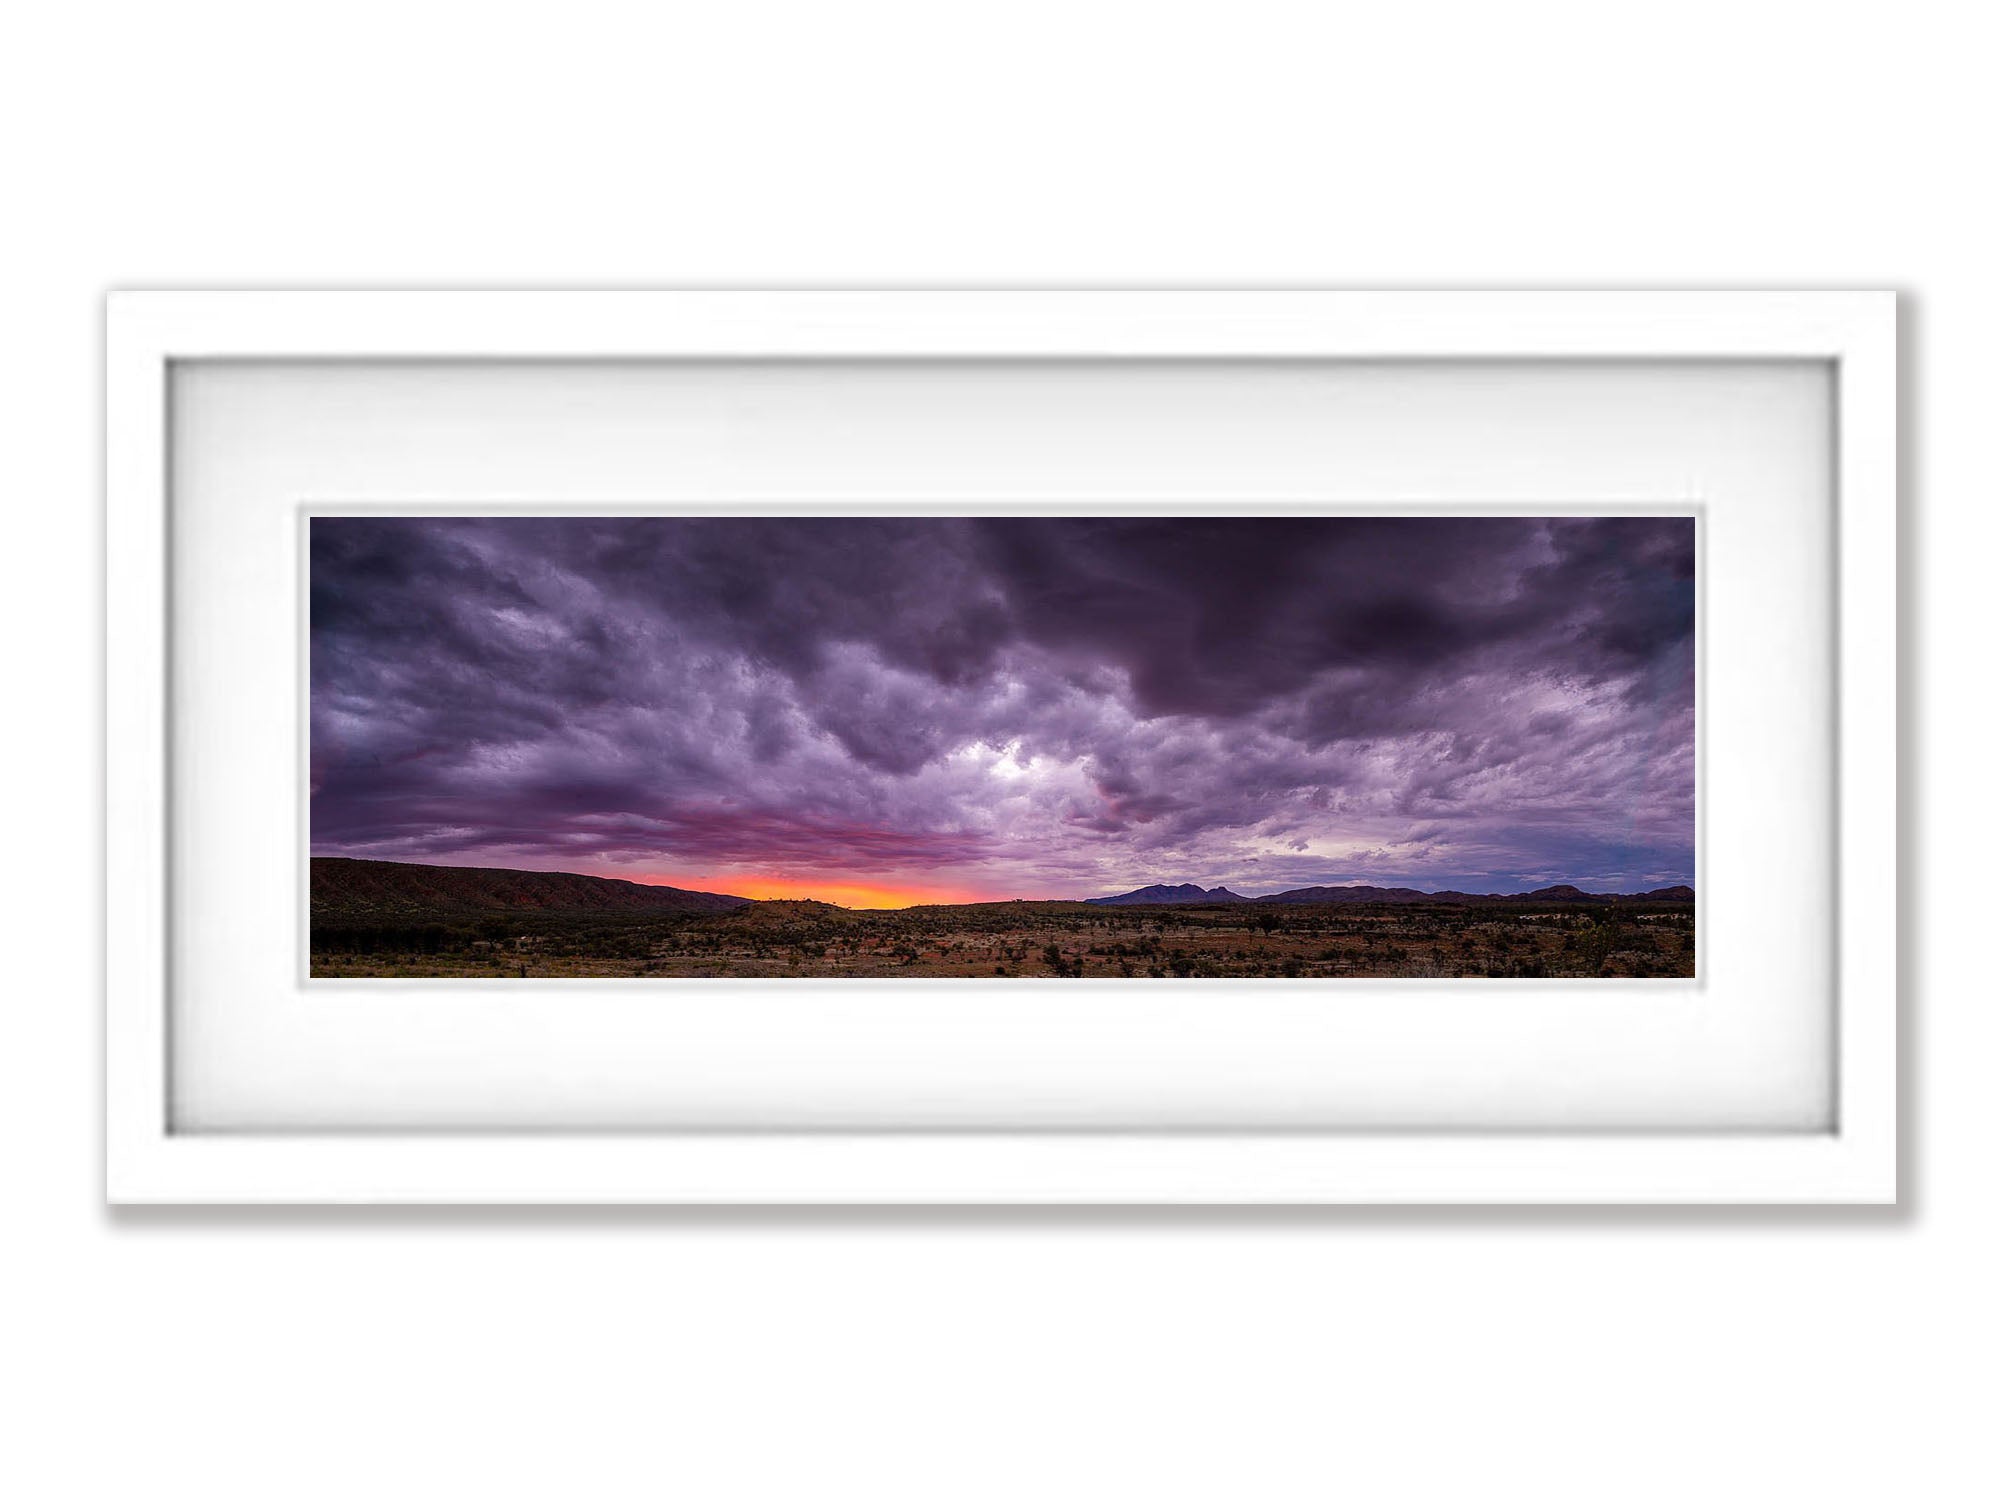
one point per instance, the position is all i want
(835, 892)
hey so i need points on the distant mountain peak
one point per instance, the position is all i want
(1188, 894)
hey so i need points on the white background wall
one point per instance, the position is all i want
(1446, 1353)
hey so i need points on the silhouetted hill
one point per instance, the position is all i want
(351, 889)
(1330, 895)
(1377, 895)
(1168, 895)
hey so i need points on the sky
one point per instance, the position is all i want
(880, 712)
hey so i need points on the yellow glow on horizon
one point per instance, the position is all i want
(840, 893)
(835, 892)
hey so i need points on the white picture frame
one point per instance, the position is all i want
(1853, 1160)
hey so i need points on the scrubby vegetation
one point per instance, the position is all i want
(1024, 939)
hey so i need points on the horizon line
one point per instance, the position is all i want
(1348, 885)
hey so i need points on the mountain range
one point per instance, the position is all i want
(1328, 895)
(371, 890)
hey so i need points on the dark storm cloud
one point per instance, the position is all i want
(1018, 704)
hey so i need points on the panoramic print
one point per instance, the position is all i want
(1002, 747)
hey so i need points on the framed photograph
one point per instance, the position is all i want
(1001, 747)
